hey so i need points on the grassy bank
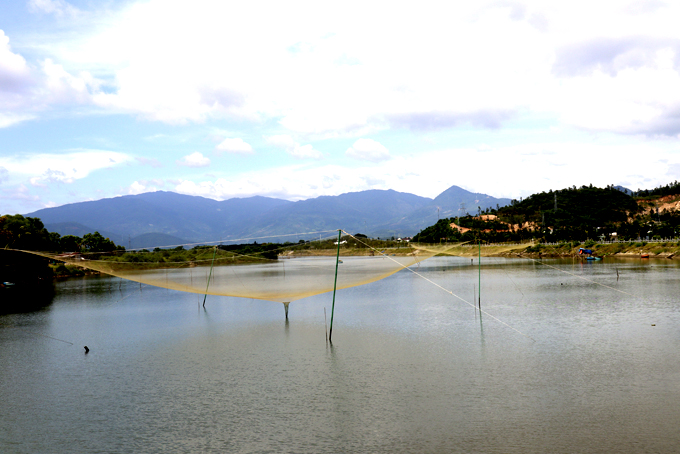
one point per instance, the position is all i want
(621, 249)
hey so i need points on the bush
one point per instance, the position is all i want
(61, 270)
(589, 243)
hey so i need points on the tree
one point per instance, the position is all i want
(70, 243)
(440, 231)
(18, 232)
(95, 242)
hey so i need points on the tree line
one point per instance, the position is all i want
(30, 234)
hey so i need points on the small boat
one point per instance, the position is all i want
(644, 256)
(588, 253)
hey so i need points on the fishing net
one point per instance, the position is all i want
(283, 274)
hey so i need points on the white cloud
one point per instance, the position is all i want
(542, 166)
(19, 192)
(543, 68)
(64, 87)
(153, 162)
(57, 7)
(52, 176)
(24, 92)
(293, 148)
(45, 168)
(368, 150)
(195, 159)
(486, 64)
(136, 188)
(13, 68)
(142, 186)
(282, 141)
(16, 85)
(234, 145)
(10, 119)
(306, 151)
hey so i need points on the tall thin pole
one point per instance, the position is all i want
(335, 285)
(479, 294)
(210, 275)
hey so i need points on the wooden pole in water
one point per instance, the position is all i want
(335, 285)
(209, 275)
(479, 302)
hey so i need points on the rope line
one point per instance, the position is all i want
(443, 288)
(583, 278)
(37, 334)
(240, 239)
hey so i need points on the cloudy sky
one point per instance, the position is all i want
(301, 99)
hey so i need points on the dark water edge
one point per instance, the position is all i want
(26, 297)
(411, 368)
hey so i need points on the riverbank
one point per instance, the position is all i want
(349, 252)
(667, 250)
(534, 250)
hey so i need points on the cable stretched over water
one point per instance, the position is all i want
(254, 238)
(446, 290)
(583, 278)
(37, 334)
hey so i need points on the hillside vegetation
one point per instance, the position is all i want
(571, 214)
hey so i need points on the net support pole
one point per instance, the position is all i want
(210, 275)
(335, 285)
(479, 295)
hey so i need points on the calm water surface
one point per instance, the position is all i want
(580, 368)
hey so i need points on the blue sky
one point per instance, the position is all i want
(301, 99)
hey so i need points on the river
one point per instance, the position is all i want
(568, 357)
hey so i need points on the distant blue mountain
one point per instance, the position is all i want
(453, 202)
(624, 190)
(166, 218)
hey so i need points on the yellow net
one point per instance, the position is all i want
(291, 274)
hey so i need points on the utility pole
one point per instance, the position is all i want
(555, 201)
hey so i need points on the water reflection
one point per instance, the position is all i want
(26, 298)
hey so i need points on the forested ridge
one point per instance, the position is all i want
(571, 214)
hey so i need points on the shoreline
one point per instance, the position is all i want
(668, 250)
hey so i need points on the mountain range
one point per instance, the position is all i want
(167, 218)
